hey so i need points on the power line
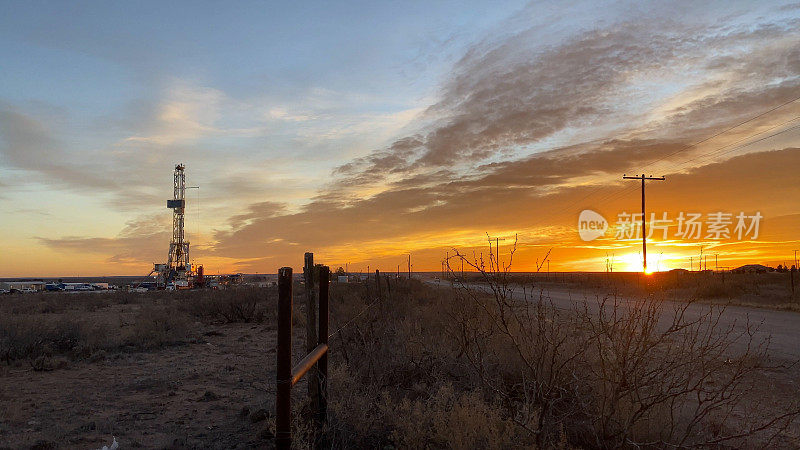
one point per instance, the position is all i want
(716, 135)
(716, 153)
(722, 132)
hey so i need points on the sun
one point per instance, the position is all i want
(631, 262)
(657, 262)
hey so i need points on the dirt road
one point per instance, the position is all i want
(782, 328)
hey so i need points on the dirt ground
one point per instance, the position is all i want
(215, 393)
(213, 389)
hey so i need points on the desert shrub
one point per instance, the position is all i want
(47, 363)
(400, 382)
(231, 305)
(43, 338)
(31, 337)
(157, 326)
(443, 417)
(60, 302)
(612, 373)
(417, 368)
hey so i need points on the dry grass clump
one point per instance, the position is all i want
(444, 418)
(32, 337)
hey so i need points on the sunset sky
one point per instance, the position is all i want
(364, 131)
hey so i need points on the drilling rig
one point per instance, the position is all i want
(177, 271)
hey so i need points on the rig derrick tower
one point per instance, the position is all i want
(178, 266)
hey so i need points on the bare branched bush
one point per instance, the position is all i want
(610, 373)
(397, 378)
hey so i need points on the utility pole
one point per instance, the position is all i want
(409, 266)
(644, 223)
(700, 266)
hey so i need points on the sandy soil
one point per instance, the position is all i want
(205, 394)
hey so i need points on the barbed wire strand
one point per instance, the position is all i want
(353, 318)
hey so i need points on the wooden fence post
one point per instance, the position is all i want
(315, 362)
(378, 283)
(283, 406)
(311, 325)
(322, 364)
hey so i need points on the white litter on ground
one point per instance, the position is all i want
(114, 445)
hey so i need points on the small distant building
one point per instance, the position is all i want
(23, 286)
(76, 287)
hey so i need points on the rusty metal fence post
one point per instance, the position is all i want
(286, 375)
(283, 400)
